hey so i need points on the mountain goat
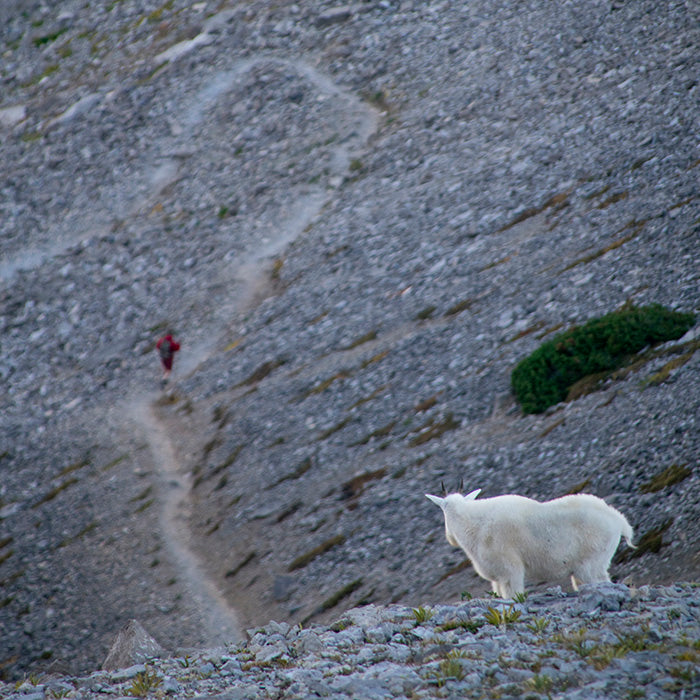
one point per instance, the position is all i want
(512, 538)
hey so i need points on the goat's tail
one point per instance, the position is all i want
(627, 533)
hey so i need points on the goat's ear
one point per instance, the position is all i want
(436, 500)
(471, 496)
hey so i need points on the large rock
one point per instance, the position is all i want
(133, 645)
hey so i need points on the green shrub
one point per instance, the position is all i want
(603, 344)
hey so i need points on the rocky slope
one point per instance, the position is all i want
(605, 642)
(357, 220)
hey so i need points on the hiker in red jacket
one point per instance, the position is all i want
(167, 347)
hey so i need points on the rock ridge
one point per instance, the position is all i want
(606, 641)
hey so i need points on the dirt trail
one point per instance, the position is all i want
(250, 285)
(220, 621)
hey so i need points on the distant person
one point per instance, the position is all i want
(167, 347)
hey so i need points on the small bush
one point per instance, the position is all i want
(603, 344)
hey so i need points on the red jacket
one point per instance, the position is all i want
(171, 347)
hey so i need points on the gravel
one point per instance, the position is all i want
(357, 219)
(609, 641)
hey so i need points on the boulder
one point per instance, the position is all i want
(133, 645)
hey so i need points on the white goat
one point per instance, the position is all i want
(512, 538)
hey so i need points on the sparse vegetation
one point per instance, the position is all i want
(650, 542)
(544, 378)
(377, 98)
(665, 373)
(451, 668)
(374, 359)
(339, 595)
(425, 313)
(460, 306)
(668, 477)
(322, 386)
(502, 616)
(48, 38)
(334, 428)
(432, 430)
(556, 200)
(538, 625)
(365, 399)
(461, 566)
(114, 462)
(637, 226)
(422, 614)
(168, 399)
(144, 683)
(305, 558)
(383, 431)
(90, 527)
(145, 505)
(75, 466)
(244, 562)
(472, 626)
(354, 487)
(371, 335)
(540, 684)
(262, 371)
(296, 473)
(579, 488)
(600, 654)
(50, 495)
(233, 456)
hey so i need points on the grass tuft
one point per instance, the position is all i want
(500, 617)
(144, 683)
(538, 625)
(431, 431)
(339, 595)
(668, 477)
(650, 542)
(353, 488)
(472, 626)
(451, 668)
(422, 614)
(54, 492)
(262, 371)
(296, 473)
(302, 560)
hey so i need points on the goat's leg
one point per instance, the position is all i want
(592, 572)
(515, 583)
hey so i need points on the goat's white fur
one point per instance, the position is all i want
(510, 539)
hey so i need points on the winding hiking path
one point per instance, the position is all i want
(250, 278)
(221, 623)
